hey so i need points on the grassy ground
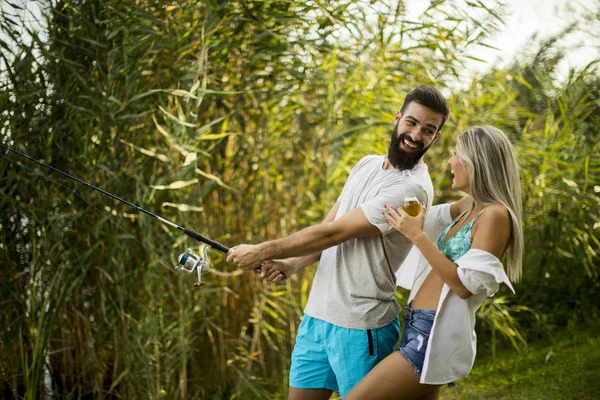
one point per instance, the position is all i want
(564, 367)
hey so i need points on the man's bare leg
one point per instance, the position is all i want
(308, 394)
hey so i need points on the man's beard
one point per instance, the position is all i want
(401, 159)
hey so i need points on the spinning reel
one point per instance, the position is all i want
(190, 261)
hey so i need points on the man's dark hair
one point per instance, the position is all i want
(430, 97)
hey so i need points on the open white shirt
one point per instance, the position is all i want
(452, 342)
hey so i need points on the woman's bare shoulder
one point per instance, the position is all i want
(492, 230)
(495, 213)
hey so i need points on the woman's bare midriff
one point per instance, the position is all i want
(428, 296)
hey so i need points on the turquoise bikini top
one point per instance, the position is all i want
(458, 244)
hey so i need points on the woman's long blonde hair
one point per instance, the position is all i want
(490, 158)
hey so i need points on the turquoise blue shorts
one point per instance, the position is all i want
(327, 356)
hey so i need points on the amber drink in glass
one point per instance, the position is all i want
(411, 203)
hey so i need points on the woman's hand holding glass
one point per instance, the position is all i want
(411, 227)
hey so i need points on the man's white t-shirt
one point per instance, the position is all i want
(355, 281)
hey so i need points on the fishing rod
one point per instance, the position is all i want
(189, 261)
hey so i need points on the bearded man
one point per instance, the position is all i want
(351, 318)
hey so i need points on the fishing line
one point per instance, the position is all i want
(74, 191)
(191, 233)
(188, 261)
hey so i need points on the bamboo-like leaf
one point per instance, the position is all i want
(214, 178)
(172, 141)
(175, 118)
(175, 185)
(215, 136)
(522, 81)
(148, 152)
(116, 381)
(190, 159)
(183, 207)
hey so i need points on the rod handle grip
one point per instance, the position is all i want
(204, 239)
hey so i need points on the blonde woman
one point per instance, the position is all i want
(461, 245)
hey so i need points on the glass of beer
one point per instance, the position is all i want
(411, 204)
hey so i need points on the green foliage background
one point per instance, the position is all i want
(242, 119)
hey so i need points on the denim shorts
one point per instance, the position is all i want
(415, 336)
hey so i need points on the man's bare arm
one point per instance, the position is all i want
(306, 242)
(297, 264)
(320, 237)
